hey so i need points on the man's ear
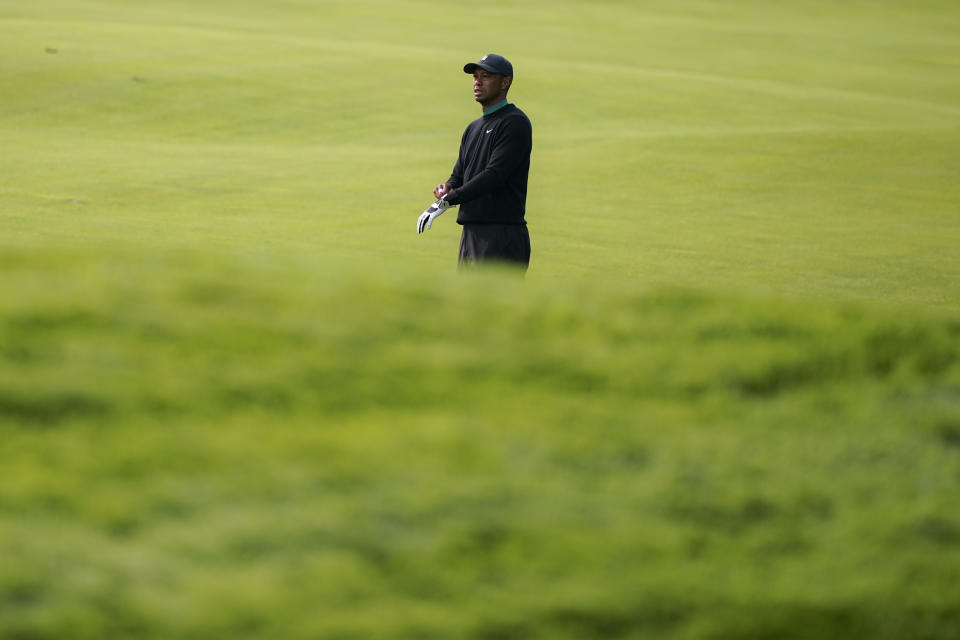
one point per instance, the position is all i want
(505, 83)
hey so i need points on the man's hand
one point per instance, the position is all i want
(425, 221)
(441, 190)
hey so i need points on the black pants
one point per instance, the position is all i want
(506, 243)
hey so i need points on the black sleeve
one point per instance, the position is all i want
(456, 178)
(510, 149)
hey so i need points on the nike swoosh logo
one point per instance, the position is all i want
(489, 130)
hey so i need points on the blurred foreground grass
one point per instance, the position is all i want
(211, 447)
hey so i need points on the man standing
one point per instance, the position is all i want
(489, 179)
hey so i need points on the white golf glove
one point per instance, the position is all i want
(425, 221)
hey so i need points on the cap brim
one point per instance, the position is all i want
(470, 67)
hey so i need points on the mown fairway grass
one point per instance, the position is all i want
(240, 398)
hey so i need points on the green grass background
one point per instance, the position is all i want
(240, 397)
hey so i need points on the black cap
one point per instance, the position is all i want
(492, 63)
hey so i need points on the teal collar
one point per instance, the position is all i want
(496, 107)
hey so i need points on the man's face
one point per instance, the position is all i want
(488, 87)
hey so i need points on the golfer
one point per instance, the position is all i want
(489, 179)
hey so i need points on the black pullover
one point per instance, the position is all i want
(489, 180)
